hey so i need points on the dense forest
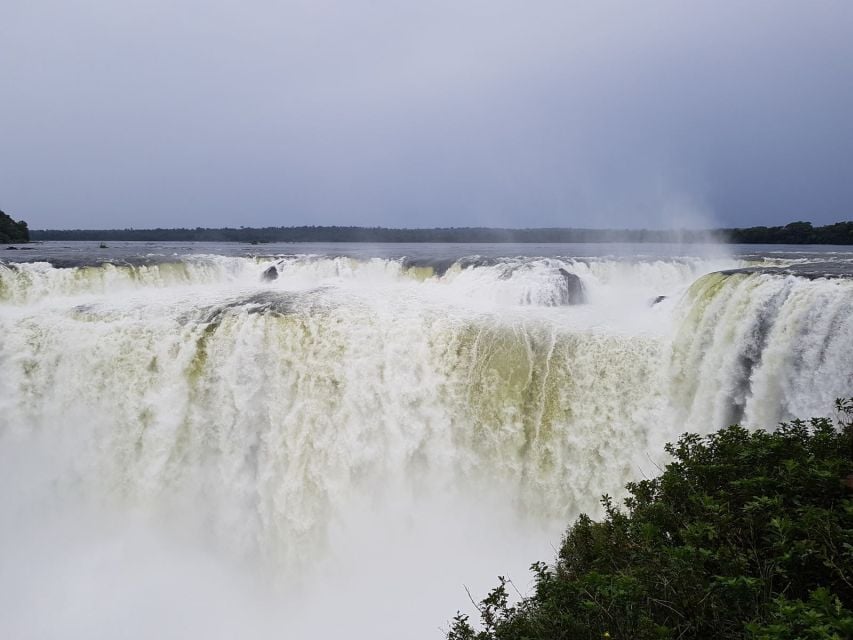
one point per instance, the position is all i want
(11, 231)
(377, 234)
(794, 233)
(745, 534)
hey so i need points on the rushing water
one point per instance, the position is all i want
(306, 441)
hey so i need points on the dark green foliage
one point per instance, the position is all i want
(378, 234)
(744, 535)
(11, 231)
(794, 233)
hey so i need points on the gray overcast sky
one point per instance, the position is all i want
(145, 113)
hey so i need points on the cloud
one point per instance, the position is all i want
(423, 114)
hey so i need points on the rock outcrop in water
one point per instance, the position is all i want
(573, 291)
(270, 274)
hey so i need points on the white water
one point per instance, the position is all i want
(188, 451)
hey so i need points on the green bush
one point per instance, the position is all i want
(745, 534)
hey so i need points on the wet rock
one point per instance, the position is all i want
(573, 291)
(270, 274)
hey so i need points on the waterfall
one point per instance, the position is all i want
(460, 399)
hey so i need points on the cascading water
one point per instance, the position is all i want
(364, 434)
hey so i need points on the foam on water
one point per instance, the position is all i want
(358, 435)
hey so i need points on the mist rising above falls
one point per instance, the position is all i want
(353, 405)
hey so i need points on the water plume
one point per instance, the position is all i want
(189, 448)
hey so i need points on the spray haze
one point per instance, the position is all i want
(188, 448)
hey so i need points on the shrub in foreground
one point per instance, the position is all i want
(745, 534)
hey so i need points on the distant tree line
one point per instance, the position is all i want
(11, 231)
(377, 234)
(794, 233)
